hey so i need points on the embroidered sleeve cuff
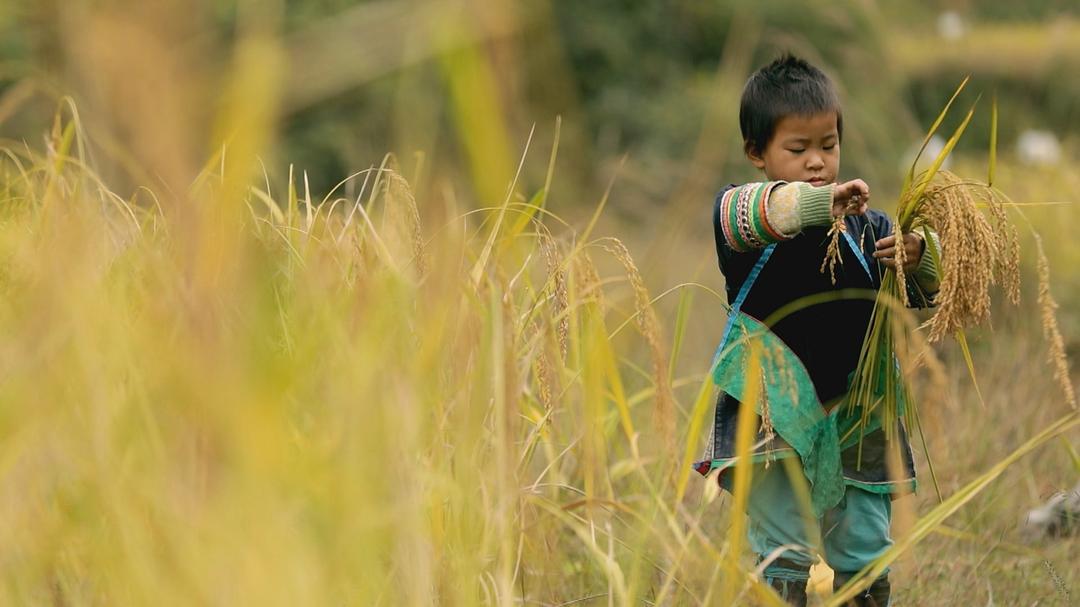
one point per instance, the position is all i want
(755, 215)
(815, 204)
(743, 217)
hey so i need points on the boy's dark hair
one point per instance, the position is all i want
(785, 87)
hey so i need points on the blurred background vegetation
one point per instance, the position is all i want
(657, 82)
(650, 87)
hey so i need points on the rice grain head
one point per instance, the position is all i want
(1008, 267)
(399, 194)
(975, 254)
(1055, 344)
(558, 300)
(832, 252)
(588, 280)
(649, 326)
(542, 371)
(900, 258)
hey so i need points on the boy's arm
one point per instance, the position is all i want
(755, 215)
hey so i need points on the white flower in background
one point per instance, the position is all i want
(951, 26)
(933, 148)
(1038, 148)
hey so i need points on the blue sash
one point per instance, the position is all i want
(736, 307)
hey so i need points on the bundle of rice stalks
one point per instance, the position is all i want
(878, 390)
(975, 250)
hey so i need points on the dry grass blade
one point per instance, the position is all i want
(935, 518)
(744, 469)
(912, 198)
(933, 129)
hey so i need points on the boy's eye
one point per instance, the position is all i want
(796, 151)
(830, 146)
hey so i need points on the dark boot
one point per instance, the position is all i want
(877, 595)
(792, 591)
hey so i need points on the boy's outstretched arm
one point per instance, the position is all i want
(755, 215)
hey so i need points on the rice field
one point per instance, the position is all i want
(429, 384)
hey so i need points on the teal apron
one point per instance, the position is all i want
(798, 418)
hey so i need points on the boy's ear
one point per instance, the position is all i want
(755, 156)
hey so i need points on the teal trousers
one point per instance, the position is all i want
(849, 536)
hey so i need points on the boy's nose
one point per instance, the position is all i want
(814, 162)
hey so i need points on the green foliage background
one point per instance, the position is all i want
(640, 79)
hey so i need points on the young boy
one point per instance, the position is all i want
(771, 239)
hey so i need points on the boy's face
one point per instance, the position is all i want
(803, 148)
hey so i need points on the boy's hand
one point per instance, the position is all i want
(913, 251)
(850, 197)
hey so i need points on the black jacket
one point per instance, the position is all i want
(827, 336)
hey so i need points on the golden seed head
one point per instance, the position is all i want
(1055, 344)
(649, 326)
(832, 253)
(976, 253)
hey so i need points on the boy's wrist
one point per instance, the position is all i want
(815, 204)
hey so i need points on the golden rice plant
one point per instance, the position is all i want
(979, 249)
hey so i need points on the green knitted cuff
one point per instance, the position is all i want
(815, 204)
(926, 273)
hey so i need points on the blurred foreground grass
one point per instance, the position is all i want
(326, 401)
(310, 403)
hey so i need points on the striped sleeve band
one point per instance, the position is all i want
(745, 219)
